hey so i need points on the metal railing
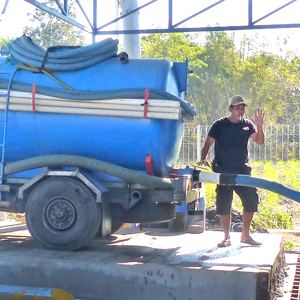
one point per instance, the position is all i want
(282, 143)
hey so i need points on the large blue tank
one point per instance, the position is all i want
(125, 141)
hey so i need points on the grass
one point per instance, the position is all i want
(275, 211)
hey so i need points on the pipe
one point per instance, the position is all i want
(245, 180)
(132, 42)
(90, 164)
(136, 195)
(123, 56)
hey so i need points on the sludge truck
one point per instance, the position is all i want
(90, 140)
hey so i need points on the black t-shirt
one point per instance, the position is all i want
(231, 143)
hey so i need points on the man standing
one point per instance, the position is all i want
(231, 135)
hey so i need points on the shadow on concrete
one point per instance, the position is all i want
(151, 246)
(13, 228)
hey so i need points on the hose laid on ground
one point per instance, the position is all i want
(90, 164)
(245, 180)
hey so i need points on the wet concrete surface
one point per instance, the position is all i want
(152, 264)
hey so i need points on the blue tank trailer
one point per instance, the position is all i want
(90, 139)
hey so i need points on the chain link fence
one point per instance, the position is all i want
(282, 143)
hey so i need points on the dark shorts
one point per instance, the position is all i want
(247, 194)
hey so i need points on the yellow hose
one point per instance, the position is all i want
(37, 70)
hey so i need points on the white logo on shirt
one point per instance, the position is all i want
(246, 128)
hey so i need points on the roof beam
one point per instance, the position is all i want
(252, 25)
(84, 13)
(60, 7)
(57, 14)
(127, 14)
(198, 13)
(200, 29)
(274, 11)
(5, 6)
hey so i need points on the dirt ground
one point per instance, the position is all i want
(291, 241)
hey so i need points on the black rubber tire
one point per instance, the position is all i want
(115, 226)
(179, 224)
(61, 214)
(144, 213)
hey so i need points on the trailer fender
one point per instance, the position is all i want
(96, 187)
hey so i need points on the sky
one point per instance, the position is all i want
(227, 13)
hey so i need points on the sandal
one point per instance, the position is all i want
(225, 243)
(251, 241)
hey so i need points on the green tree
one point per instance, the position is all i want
(176, 47)
(221, 70)
(49, 30)
(3, 42)
(173, 46)
(218, 77)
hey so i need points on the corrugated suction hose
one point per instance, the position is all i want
(245, 180)
(90, 164)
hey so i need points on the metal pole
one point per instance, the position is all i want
(253, 151)
(170, 14)
(259, 152)
(276, 136)
(293, 142)
(282, 148)
(132, 43)
(117, 15)
(271, 140)
(198, 143)
(66, 7)
(188, 144)
(265, 145)
(288, 143)
(250, 21)
(94, 21)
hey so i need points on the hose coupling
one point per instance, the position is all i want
(123, 56)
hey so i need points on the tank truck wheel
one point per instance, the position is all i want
(145, 213)
(61, 214)
(179, 224)
(115, 226)
(104, 210)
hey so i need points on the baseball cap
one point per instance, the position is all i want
(237, 100)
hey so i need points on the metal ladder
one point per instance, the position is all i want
(4, 120)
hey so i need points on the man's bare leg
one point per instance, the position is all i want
(226, 222)
(247, 219)
(245, 237)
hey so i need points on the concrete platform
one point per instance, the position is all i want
(148, 265)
